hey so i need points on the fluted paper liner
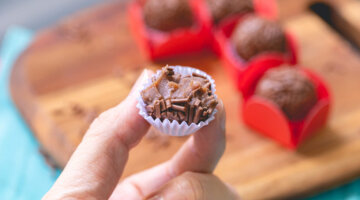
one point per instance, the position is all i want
(174, 128)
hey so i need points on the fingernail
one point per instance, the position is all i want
(222, 116)
(156, 197)
(142, 78)
(223, 124)
(144, 74)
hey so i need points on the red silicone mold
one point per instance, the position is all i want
(242, 70)
(264, 8)
(265, 117)
(157, 44)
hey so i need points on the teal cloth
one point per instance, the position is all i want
(23, 171)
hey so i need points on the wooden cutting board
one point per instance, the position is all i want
(88, 63)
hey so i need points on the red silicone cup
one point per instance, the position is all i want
(264, 8)
(241, 70)
(157, 44)
(265, 117)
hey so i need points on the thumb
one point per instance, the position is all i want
(195, 186)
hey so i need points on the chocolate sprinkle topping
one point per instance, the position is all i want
(179, 97)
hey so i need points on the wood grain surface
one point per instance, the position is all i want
(88, 63)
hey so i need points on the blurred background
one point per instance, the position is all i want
(24, 173)
(37, 14)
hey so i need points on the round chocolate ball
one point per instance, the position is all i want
(221, 9)
(290, 89)
(255, 35)
(167, 15)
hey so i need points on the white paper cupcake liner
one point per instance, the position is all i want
(174, 128)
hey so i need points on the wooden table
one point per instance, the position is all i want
(88, 63)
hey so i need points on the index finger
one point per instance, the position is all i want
(98, 162)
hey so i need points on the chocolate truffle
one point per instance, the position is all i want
(167, 15)
(255, 35)
(290, 89)
(221, 9)
(179, 97)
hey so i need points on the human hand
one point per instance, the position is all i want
(94, 169)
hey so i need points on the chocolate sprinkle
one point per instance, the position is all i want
(174, 96)
(179, 101)
(197, 102)
(181, 116)
(178, 108)
(191, 114)
(168, 103)
(198, 114)
(149, 108)
(162, 104)
(198, 75)
(157, 109)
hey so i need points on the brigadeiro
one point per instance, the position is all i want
(290, 89)
(167, 15)
(179, 100)
(221, 9)
(179, 97)
(255, 35)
